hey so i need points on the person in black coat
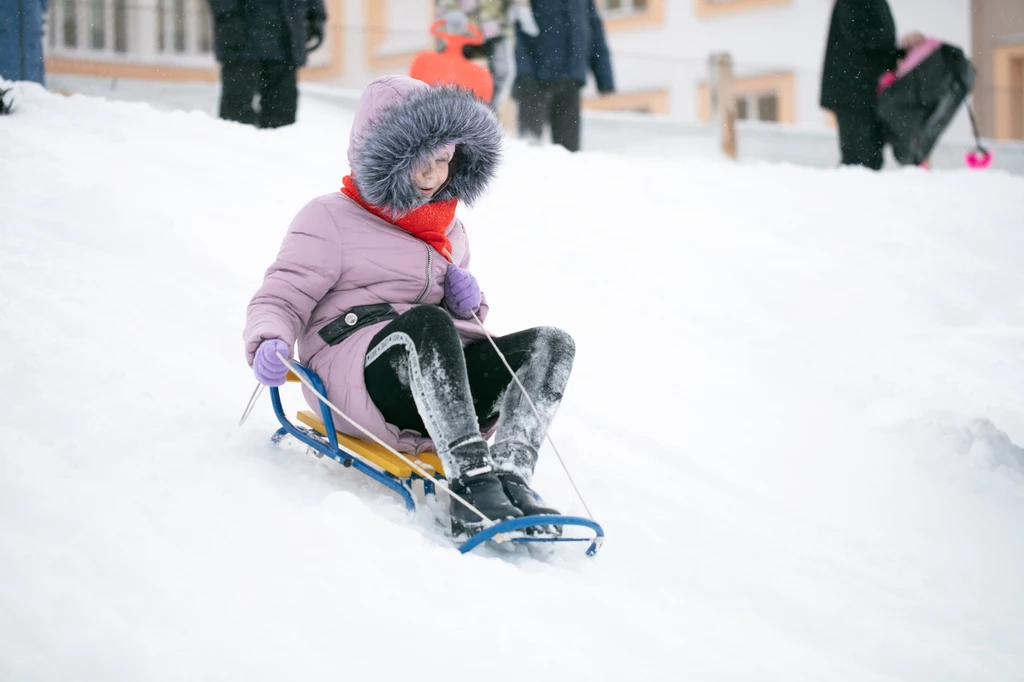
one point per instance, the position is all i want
(552, 67)
(260, 45)
(861, 47)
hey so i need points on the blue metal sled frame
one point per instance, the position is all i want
(329, 446)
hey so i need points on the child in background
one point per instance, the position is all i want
(496, 20)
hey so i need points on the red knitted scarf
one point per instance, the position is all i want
(428, 223)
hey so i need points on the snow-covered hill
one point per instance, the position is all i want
(794, 410)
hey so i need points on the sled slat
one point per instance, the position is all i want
(375, 453)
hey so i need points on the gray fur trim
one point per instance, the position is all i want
(403, 136)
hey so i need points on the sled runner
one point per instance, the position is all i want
(373, 460)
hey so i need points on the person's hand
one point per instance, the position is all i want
(314, 33)
(523, 14)
(912, 40)
(455, 22)
(267, 367)
(461, 292)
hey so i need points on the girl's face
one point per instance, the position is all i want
(429, 177)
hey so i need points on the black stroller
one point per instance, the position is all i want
(917, 102)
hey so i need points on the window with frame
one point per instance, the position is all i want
(758, 106)
(97, 25)
(178, 30)
(205, 31)
(88, 26)
(70, 28)
(120, 26)
(1008, 102)
(770, 98)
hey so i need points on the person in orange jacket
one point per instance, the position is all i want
(497, 21)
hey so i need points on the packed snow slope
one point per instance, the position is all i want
(796, 410)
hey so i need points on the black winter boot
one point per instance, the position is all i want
(527, 501)
(522, 495)
(484, 491)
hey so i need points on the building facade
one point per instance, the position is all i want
(660, 49)
(997, 36)
(777, 48)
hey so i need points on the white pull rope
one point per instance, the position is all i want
(536, 413)
(415, 467)
(252, 402)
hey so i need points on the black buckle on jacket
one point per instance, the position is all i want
(353, 319)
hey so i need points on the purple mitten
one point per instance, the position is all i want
(461, 292)
(267, 367)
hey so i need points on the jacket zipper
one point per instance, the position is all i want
(430, 275)
(430, 265)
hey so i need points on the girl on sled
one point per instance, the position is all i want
(373, 285)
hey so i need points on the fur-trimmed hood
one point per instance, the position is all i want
(400, 121)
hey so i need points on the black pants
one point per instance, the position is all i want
(556, 103)
(276, 83)
(421, 378)
(861, 136)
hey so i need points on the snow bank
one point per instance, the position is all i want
(796, 410)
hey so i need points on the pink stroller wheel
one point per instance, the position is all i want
(979, 159)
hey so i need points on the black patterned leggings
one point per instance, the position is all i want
(421, 378)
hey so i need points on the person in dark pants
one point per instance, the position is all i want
(261, 44)
(552, 68)
(21, 40)
(861, 47)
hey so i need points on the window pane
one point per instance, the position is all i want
(741, 109)
(179, 25)
(99, 38)
(768, 107)
(120, 26)
(70, 24)
(613, 4)
(161, 26)
(640, 5)
(205, 29)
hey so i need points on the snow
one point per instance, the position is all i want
(794, 409)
